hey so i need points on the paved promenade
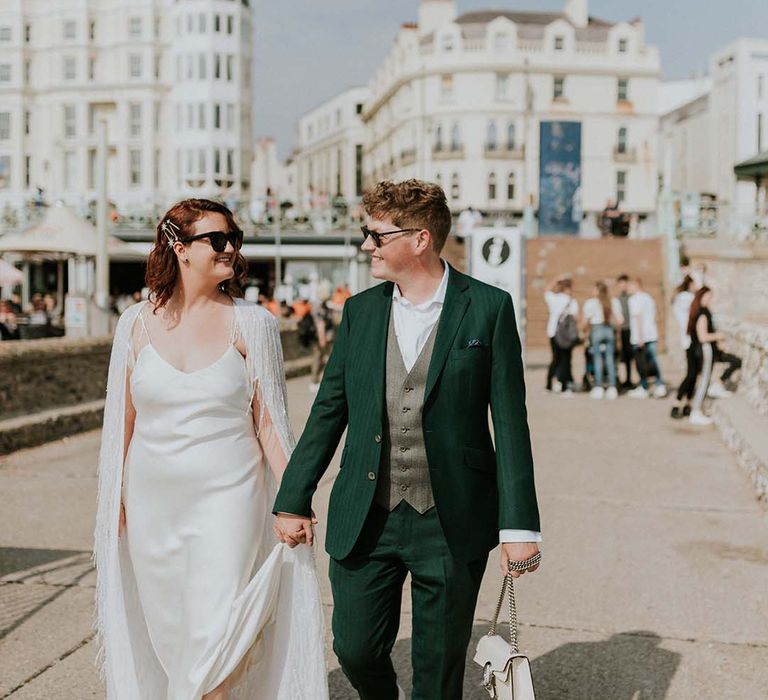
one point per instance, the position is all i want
(654, 583)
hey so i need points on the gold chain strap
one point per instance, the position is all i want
(508, 588)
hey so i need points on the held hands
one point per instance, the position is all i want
(517, 551)
(294, 530)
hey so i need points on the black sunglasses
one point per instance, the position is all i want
(219, 239)
(376, 237)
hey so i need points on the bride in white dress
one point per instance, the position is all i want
(195, 596)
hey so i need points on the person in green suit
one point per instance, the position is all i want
(422, 489)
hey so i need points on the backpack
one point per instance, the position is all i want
(307, 330)
(567, 332)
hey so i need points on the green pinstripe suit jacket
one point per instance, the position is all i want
(476, 363)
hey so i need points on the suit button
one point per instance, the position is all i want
(409, 388)
(404, 487)
(403, 430)
(406, 409)
(371, 476)
(403, 449)
(377, 438)
(403, 468)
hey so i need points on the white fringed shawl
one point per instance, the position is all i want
(292, 666)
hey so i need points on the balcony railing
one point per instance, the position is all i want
(505, 152)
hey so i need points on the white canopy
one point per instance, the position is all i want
(9, 275)
(62, 233)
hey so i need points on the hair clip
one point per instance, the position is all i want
(170, 230)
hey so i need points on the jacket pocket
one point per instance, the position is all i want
(481, 460)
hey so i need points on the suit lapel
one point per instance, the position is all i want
(376, 342)
(455, 306)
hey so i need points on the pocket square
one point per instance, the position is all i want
(475, 343)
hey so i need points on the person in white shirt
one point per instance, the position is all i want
(602, 314)
(644, 336)
(560, 303)
(681, 309)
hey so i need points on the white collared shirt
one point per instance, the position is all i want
(413, 324)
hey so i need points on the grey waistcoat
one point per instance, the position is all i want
(404, 473)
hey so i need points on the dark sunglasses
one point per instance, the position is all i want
(219, 239)
(376, 237)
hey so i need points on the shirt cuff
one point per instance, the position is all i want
(519, 536)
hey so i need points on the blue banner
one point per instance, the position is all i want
(560, 208)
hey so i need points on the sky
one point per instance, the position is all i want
(307, 51)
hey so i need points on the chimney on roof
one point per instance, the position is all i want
(577, 12)
(435, 13)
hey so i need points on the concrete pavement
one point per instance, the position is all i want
(654, 583)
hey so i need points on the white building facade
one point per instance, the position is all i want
(172, 79)
(328, 160)
(473, 101)
(723, 122)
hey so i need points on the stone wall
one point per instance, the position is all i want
(56, 387)
(750, 342)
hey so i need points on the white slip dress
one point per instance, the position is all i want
(198, 496)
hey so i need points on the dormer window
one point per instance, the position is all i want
(559, 43)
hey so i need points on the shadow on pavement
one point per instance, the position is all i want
(626, 666)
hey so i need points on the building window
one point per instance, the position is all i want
(27, 33)
(5, 126)
(70, 68)
(91, 68)
(134, 119)
(70, 29)
(201, 115)
(27, 71)
(439, 179)
(5, 172)
(217, 66)
(501, 41)
(217, 23)
(623, 45)
(230, 24)
(623, 90)
(135, 65)
(70, 170)
(511, 137)
(157, 114)
(230, 67)
(203, 66)
(134, 27)
(359, 108)
(559, 88)
(490, 142)
(559, 43)
(92, 30)
(502, 86)
(70, 125)
(27, 171)
(439, 138)
(157, 66)
(455, 138)
(621, 141)
(5, 72)
(492, 186)
(621, 186)
(135, 164)
(27, 122)
(217, 116)
(5, 34)
(455, 189)
(446, 87)
(202, 23)
(189, 58)
(359, 170)
(448, 42)
(511, 186)
(230, 117)
(190, 23)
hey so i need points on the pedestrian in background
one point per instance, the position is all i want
(681, 310)
(602, 313)
(561, 305)
(625, 341)
(644, 336)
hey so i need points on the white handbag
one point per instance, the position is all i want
(506, 672)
